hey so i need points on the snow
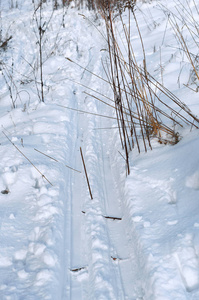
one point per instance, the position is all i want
(139, 236)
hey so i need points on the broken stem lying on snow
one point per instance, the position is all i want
(43, 176)
(57, 160)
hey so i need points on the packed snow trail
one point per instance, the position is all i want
(101, 261)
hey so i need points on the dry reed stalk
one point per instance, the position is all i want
(86, 174)
(43, 176)
(56, 160)
(184, 46)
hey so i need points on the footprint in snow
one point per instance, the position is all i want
(187, 263)
(193, 181)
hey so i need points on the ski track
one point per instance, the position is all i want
(101, 263)
(110, 261)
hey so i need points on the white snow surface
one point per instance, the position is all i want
(55, 242)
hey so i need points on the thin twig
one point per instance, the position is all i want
(43, 176)
(57, 161)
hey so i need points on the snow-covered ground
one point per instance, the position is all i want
(138, 238)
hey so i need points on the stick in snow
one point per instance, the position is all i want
(117, 258)
(112, 218)
(77, 269)
(86, 174)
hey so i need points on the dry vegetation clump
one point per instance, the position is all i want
(141, 112)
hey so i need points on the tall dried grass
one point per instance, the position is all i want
(137, 93)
